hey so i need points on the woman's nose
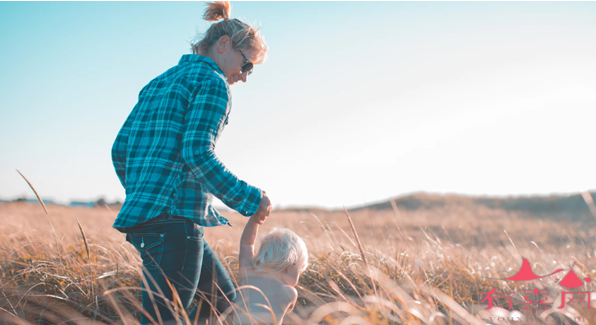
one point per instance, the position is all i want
(244, 76)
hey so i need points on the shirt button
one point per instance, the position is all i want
(175, 194)
(197, 152)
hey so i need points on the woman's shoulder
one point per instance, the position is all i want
(205, 74)
(191, 80)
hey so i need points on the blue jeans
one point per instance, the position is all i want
(173, 247)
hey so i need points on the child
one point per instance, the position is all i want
(272, 274)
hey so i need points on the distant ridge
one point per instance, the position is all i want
(571, 206)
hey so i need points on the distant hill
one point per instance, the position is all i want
(570, 206)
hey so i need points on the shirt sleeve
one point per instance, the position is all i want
(204, 119)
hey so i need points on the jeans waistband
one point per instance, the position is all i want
(167, 216)
(159, 218)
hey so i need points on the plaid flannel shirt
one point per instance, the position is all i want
(164, 153)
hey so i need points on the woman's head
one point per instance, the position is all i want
(281, 250)
(231, 43)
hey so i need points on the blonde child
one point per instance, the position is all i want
(268, 278)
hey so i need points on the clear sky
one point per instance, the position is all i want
(357, 102)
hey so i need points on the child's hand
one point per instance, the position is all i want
(260, 220)
(263, 217)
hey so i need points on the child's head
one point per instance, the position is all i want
(281, 250)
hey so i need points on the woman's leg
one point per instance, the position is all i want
(172, 249)
(213, 272)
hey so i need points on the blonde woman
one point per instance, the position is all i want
(164, 157)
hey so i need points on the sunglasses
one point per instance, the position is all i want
(247, 66)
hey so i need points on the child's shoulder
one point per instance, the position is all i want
(288, 293)
(288, 298)
(246, 272)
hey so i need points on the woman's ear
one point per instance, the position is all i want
(224, 44)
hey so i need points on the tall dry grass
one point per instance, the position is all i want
(389, 267)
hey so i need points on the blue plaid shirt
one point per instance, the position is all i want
(164, 154)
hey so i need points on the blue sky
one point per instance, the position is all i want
(357, 102)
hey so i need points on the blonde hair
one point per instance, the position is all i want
(243, 36)
(279, 249)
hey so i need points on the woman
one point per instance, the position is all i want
(164, 157)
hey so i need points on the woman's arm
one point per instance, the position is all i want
(204, 121)
(119, 149)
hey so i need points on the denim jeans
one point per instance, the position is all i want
(173, 247)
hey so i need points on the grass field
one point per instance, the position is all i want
(428, 266)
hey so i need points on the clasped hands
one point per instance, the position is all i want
(264, 210)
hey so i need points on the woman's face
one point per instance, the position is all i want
(230, 60)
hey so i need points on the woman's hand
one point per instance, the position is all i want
(264, 210)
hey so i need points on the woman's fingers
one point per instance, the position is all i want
(264, 209)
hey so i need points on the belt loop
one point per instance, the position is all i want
(189, 228)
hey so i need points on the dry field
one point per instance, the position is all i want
(403, 267)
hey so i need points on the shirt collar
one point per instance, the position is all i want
(195, 58)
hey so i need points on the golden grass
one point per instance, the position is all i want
(422, 267)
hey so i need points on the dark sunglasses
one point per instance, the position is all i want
(247, 66)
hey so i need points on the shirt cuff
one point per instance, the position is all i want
(252, 202)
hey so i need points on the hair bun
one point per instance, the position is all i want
(217, 10)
